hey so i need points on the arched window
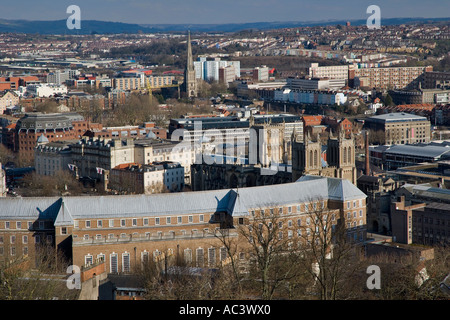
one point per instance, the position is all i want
(315, 158)
(349, 155)
(310, 158)
(345, 155)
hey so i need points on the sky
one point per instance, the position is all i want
(220, 11)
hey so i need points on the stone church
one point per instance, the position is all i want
(336, 159)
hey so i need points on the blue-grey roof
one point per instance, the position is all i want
(236, 202)
(396, 116)
(422, 150)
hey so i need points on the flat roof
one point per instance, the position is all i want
(396, 116)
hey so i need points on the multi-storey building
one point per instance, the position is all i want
(160, 81)
(208, 69)
(46, 90)
(227, 74)
(94, 158)
(315, 83)
(320, 97)
(8, 99)
(422, 223)
(147, 178)
(54, 127)
(127, 83)
(434, 79)
(148, 151)
(390, 77)
(330, 72)
(50, 158)
(127, 231)
(400, 128)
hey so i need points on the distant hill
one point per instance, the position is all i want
(105, 27)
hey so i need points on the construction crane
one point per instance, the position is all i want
(150, 91)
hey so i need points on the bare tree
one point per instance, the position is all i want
(270, 247)
(327, 255)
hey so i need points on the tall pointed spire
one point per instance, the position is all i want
(190, 82)
(190, 61)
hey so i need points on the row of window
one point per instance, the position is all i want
(20, 225)
(142, 222)
(299, 208)
(25, 239)
(157, 255)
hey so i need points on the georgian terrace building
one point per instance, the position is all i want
(125, 231)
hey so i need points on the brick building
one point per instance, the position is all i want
(126, 231)
(422, 223)
(55, 127)
(400, 128)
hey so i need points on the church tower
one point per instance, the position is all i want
(190, 82)
(341, 156)
(306, 156)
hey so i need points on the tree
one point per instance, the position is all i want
(19, 281)
(388, 100)
(269, 246)
(327, 255)
(62, 183)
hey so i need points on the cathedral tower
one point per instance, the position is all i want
(306, 156)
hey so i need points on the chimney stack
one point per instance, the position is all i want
(367, 154)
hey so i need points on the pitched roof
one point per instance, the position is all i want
(236, 202)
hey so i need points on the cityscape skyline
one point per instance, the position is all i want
(215, 12)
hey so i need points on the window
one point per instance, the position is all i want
(113, 263)
(126, 262)
(6, 224)
(212, 257)
(223, 253)
(63, 230)
(30, 225)
(168, 220)
(13, 239)
(179, 220)
(200, 257)
(99, 223)
(88, 223)
(18, 225)
(37, 239)
(157, 221)
(190, 219)
(134, 222)
(201, 218)
(188, 256)
(241, 220)
(145, 221)
(123, 222)
(111, 223)
(88, 259)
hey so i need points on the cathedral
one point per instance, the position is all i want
(336, 159)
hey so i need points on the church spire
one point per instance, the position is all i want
(190, 82)
(190, 61)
